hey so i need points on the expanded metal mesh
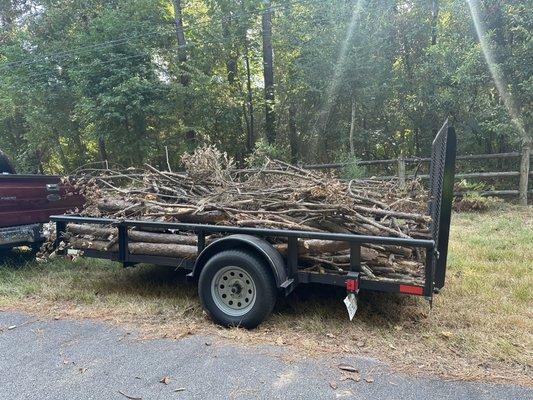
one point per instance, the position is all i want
(436, 178)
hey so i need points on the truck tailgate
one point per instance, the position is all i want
(29, 199)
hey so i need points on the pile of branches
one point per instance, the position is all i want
(276, 195)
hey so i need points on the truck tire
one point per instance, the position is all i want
(237, 288)
(5, 164)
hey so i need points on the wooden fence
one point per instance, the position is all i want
(401, 163)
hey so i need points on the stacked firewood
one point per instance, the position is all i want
(275, 195)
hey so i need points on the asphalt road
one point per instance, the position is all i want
(64, 359)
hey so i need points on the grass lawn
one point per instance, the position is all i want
(480, 326)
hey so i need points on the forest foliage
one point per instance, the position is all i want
(308, 80)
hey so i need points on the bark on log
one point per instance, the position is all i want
(138, 248)
(133, 235)
(87, 244)
(163, 249)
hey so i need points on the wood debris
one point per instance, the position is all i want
(276, 195)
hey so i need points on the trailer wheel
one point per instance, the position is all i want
(237, 289)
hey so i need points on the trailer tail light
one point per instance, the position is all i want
(419, 290)
(352, 285)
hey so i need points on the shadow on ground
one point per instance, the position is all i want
(101, 278)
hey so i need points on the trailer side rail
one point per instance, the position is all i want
(295, 275)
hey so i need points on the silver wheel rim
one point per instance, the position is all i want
(233, 291)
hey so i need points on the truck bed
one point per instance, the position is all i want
(32, 199)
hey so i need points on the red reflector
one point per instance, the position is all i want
(412, 289)
(352, 285)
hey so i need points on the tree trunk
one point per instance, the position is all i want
(182, 43)
(80, 146)
(293, 134)
(352, 128)
(231, 63)
(102, 149)
(434, 21)
(268, 74)
(62, 157)
(417, 142)
(249, 103)
(190, 133)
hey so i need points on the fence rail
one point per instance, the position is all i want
(523, 173)
(413, 160)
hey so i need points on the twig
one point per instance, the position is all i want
(129, 397)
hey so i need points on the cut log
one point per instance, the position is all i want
(86, 244)
(138, 248)
(169, 238)
(95, 231)
(133, 235)
(163, 249)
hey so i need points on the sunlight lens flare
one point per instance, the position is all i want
(339, 68)
(493, 66)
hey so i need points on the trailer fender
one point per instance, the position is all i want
(245, 242)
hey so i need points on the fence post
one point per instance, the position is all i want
(524, 174)
(401, 171)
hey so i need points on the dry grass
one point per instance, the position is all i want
(480, 326)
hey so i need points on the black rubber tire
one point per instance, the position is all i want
(264, 282)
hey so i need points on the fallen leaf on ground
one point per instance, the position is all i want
(333, 384)
(349, 368)
(165, 380)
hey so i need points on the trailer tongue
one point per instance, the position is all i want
(240, 274)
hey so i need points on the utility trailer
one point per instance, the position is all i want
(241, 274)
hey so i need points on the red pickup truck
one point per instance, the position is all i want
(26, 202)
